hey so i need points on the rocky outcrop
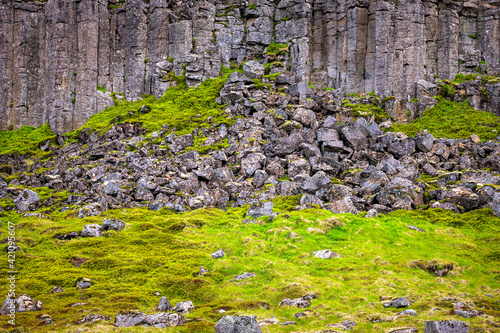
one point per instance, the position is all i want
(54, 54)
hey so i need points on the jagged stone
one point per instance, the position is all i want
(27, 200)
(113, 224)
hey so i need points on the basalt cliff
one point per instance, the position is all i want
(54, 54)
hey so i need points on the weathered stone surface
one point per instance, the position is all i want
(446, 326)
(113, 224)
(325, 254)
(92, 230)
(237, 324)
(27, 200)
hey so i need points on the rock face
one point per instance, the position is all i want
(129, 47)
(237, 324)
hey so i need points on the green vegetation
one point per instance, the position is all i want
(25, 140)
(181, 107)
(449, 119)
(275, 49)
(101, 89)
(233, 67)
(252, 6)
(163, 251)
(171, 59)
(366, 110)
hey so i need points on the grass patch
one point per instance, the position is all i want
(449, 119)
(25, 140)
(181, 107)
(162, 252)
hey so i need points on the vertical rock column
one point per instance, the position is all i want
(6, 63)
(87, 61)
(60, 72)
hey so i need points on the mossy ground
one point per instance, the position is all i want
(453, 120)
(25, 140)
(163, 251)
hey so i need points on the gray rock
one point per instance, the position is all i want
(261, 209)
(218, 254)
(130, 318)
(244, 276)
(401, 147)
(354, 137)
(415, 228)
(93, 317)
(287, 323)
(325, 254)
(327, 134)
(92, 230)
(164, 320)
(183, 307)
(446, 326)
(22, 303)
(495, 205)
(404, 330)
(237, 324)
(400, 302)
(164, 304)
(305, 117)
(113, 224)
(302, 302)
(408, 312)
(253, 69)
(319, 180)
(467, 313)
(424, 141)
(27, 200)
(372, 213)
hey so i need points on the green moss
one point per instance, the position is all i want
(181, 107)
(25, 140)
(453, 120)
(366, 110)
(252, 6)
(275, 49)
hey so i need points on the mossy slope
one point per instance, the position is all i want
(162, 251)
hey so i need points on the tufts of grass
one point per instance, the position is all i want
(450, 119)
(366, 110)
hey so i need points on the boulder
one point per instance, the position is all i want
(237, 324)
(22, 303)
(424, 141)
(354, 137)
(305, 117)
(183, 307)
(92, 230)
(164, 320)
(27, 200)
(164, 304)
(325, 254)
(446, 326)
(319, 180)
(400, 302)
(218, 254)
(130, 318)
(113, 224)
